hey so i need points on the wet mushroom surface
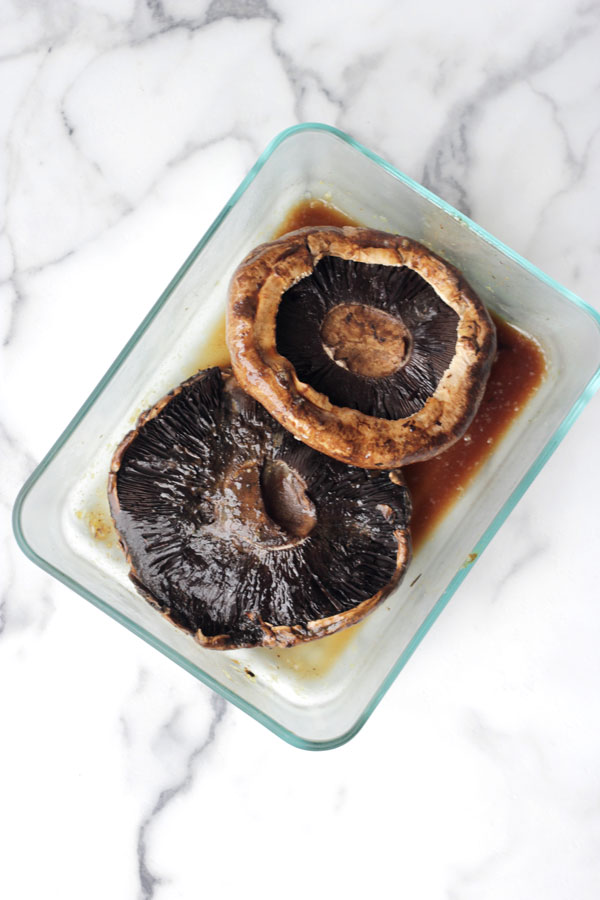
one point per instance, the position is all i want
(244, 536)
(365, 345)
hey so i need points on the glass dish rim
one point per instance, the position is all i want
(509, 504)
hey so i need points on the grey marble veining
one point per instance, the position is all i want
(124, 128)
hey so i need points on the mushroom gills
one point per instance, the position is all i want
(369, 337)
(235, 529)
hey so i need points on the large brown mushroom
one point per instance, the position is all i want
(365, 345)
(244, 536)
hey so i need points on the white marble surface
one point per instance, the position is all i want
(125, 126)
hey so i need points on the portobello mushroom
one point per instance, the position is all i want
(244, 536)
(365, 345)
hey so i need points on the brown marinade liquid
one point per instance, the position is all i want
(313, 212)
(516, 374)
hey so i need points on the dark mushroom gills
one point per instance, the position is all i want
(241, 534)
(384, 355)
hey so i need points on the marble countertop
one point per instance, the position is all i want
(125, 127)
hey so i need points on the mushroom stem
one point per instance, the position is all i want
(285, 499)
(366, 341)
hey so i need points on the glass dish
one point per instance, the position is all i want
(317, 696)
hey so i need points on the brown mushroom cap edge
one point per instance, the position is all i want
(347, 434)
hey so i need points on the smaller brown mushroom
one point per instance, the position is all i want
(244, 536)
(365, 345)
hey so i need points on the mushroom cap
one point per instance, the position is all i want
(273, 289)
(242, 535)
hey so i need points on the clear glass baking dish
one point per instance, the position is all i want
(317, 696)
